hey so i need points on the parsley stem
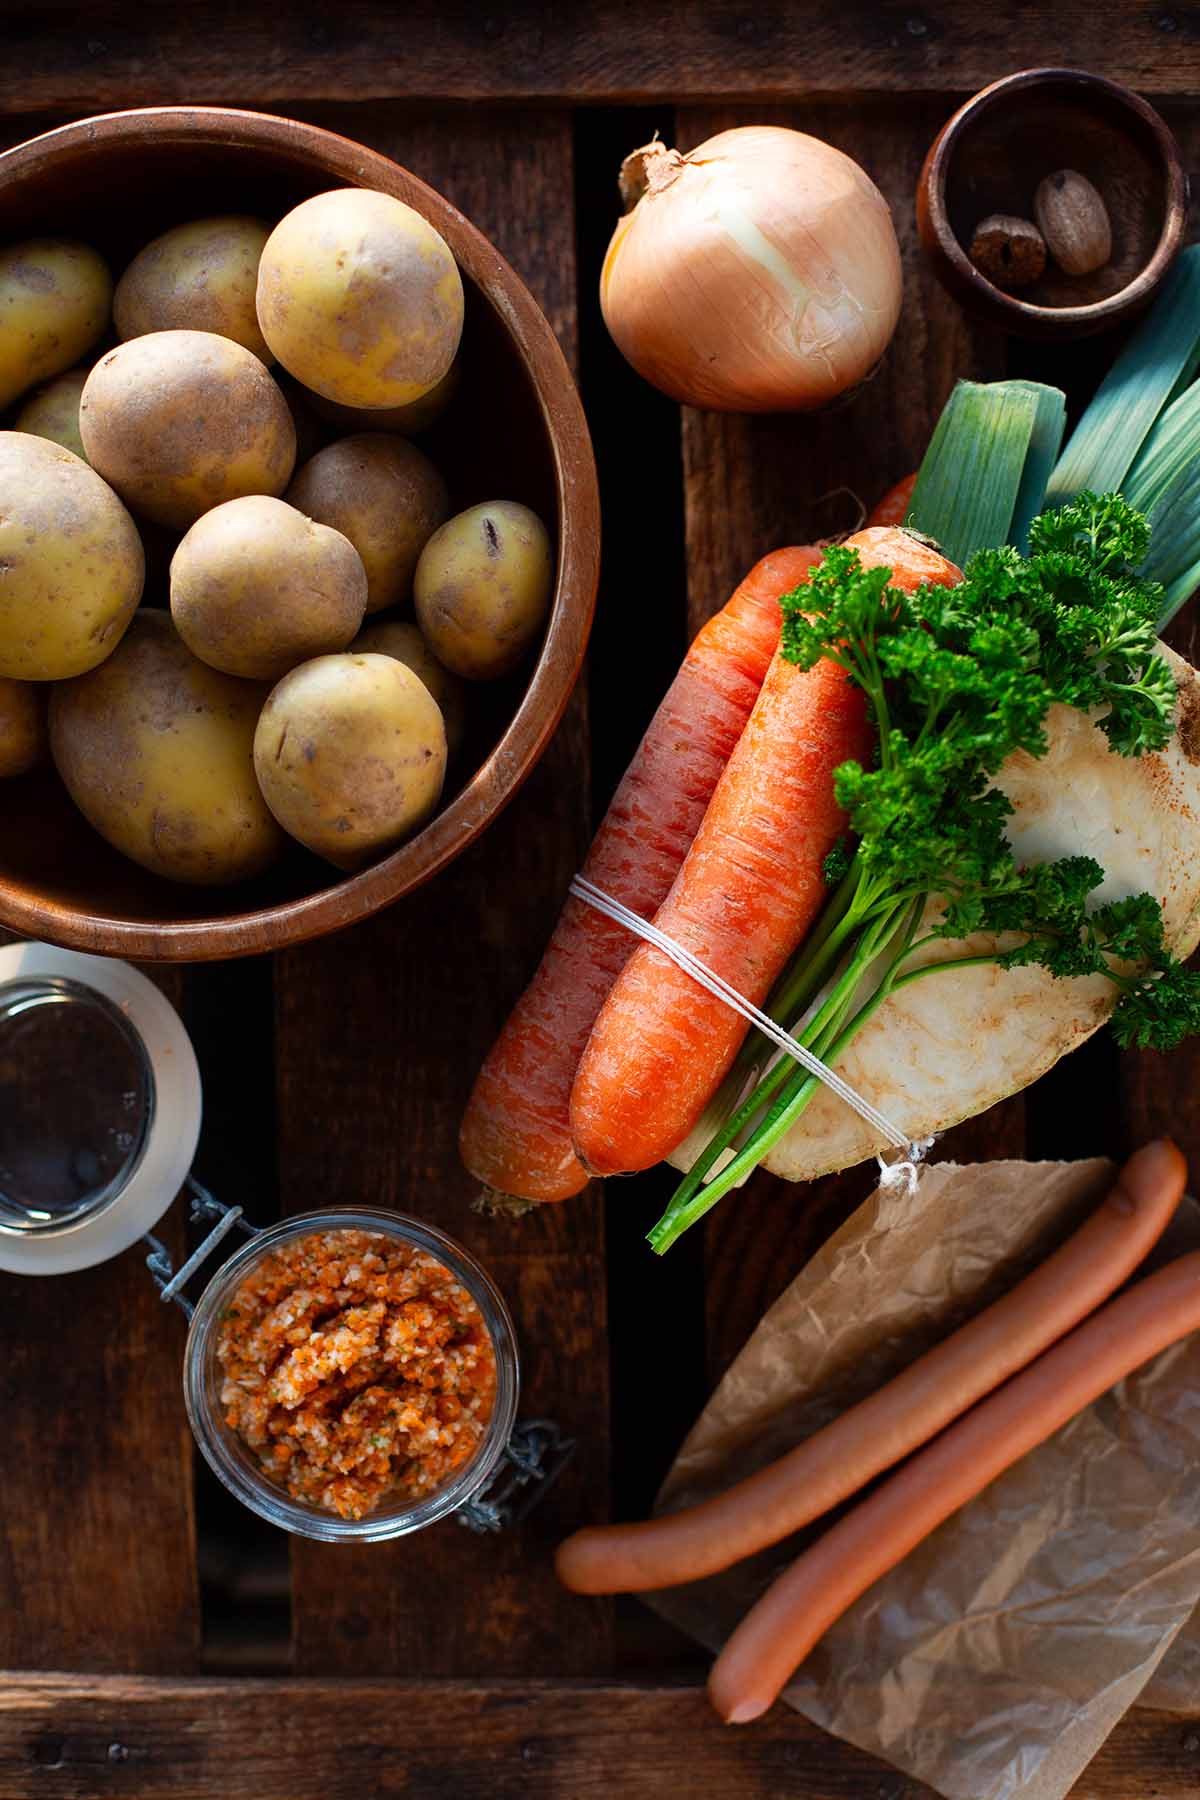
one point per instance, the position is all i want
(823, 1036)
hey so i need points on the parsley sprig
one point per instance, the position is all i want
(958, 680)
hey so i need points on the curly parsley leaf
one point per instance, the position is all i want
(958, 679)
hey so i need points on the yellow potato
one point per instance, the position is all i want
(71, 562)
(350, 753)
(55, 301)
(402, 639)
(483, 587)
(53, 412)
(406, 420)
(179, 421)
(22, 726)
(360, 298)
(385, 496)
(257, 588)
(197, 277)
(156, 748)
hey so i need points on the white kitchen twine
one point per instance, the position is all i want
(905, 1170)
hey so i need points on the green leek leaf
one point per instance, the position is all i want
(1050, 422)
(1154, 368)
(969, 483)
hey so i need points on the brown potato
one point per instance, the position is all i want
(257, 588)
(179, 421)
(350, 753)
(385, 496)
(402, 639)
(155, 749)
(360, 298)
(53, 412)
(201, 276)
(55, 302)
(71, 561)
(23, 738)
(407, 421)
(483, 587)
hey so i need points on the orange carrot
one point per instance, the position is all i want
(780, 1629)
(893, 508)
(515, 1134)
(748, 890)
(905, 1413)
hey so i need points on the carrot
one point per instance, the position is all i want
(748, 890)
(893, 508)
(780, 1630)
(515, 1134)
(905, 1413)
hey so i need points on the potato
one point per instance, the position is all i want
(23, 739)
(483, 587)
(385, 496)
(179, 421)
(53, 412)
(196, 277)
(402, 639)
(155, 749)
(55, 300)
(257, 588)
(407, 420)
(71, 562)
(350, 753)
(360, 298)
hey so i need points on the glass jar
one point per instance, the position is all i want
(100, 1108)
(235, 1463)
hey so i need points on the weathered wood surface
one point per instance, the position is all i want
(97, 1543)
(59, 56)
(379, 1034)
(375, 1035)
(74, 1738)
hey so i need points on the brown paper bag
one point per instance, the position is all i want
(999, 1655)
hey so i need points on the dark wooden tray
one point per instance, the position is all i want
(161, 1643)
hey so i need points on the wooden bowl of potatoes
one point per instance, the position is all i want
(299, 528)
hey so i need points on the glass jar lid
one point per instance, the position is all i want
(99, 1108)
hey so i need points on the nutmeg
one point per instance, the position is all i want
(1008, 250)
(1074, 222)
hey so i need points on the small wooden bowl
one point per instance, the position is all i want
(990, 157)
(516, 431)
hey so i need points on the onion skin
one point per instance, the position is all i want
(759, 273)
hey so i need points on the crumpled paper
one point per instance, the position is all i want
(995, 1660)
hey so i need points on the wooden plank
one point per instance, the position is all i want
(380, 1032)
(752, 484)
(97, 1551)
(117, 54)
(72, 1738)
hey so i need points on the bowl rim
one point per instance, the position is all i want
(1135, 291)
(497, 779)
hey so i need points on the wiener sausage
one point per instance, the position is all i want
(909, 1410)
(778, 1633)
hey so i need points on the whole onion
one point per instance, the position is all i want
(759, 273)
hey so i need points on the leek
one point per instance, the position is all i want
(1164, 483)
(1050, 422)
(1155, 368)
(971, 479)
